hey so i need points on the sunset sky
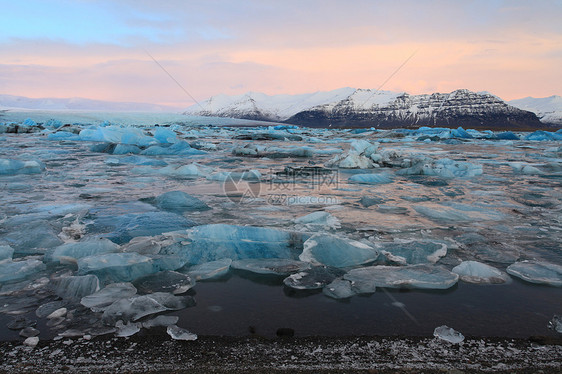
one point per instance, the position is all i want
(98, 49)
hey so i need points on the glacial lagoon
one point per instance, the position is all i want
(237, 230)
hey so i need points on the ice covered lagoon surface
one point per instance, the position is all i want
(114, 230)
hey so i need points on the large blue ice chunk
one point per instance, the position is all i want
(128, 226)
(123, 149)
(181, 148)
(117, 267)
(507, 135)
(116, 134)
(11, 167)
(71, 252)
(477, 272)
(217, 241)
(19, 270)
(413, 276)
(32, 238)
(332, 250)
(179, 201)
(339, 289)
(380, 178)
(544, 136)
(165, 135)
(537, 272)
(413, 252)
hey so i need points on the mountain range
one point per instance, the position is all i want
(351, 107)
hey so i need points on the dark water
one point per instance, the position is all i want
(515, 310)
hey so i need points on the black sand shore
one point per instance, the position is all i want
(159, 354)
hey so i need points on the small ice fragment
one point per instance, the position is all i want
(320, 218)
(210, 270)
(179, 202)
(164, 281)
(160, 321)
(31, 342)
(57, 313)
(124, 330)
(448, 334)
(477, 272)
(105, 297)
(29, 332)
(339, 289)
(177, 333)
(556, 324)
(537, 272)
(314, 278)
(380, 178)
(275, 266)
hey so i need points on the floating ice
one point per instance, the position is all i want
(164, 135)
(412, 276)
(160, 321)
(522, 168)
(448, 334)
(19, 270)
(364, 147)
(71, 252)
(179, 201)
(29, 332)
(456, 212)
(33, 238)
(351, 160)
(537, 272)
(177, 333)
(127, 329)
(116, 267)
(46, 309)
(380, 178)
(556, 324)
(11, 167)
(164, 281)
(413, 251)
(106, 296)
(275, 266)
(224, 176)
(217, 241)
(210, 270)
(339, 289)
(335, 251)
(132, 225)
(135, 307)
(6, 253)
(181, 148)
(323, 219)
(61, 312)
(31, 342)
(314, 278)
(123, 149)
(76, 287)
(445, 168)
(544, 136)
(116, 134)
(477, 272)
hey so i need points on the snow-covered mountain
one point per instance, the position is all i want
(350, 107)
(21, 102)
(548, 109)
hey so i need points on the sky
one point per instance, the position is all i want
(102, 49)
